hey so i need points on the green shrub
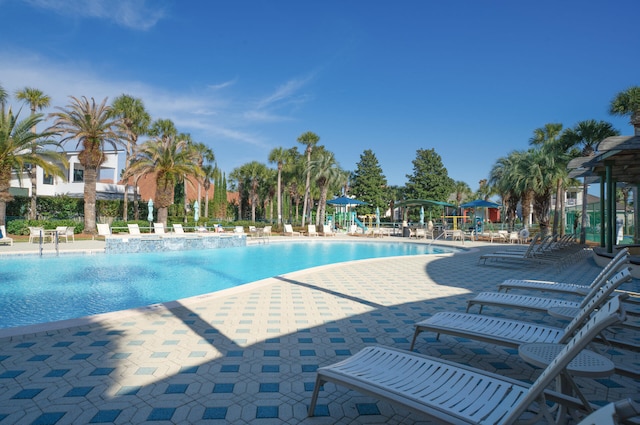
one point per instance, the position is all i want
(21, 227)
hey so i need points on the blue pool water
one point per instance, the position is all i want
(45, 289)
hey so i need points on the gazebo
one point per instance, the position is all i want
(617, 160)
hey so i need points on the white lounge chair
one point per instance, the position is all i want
(327, 231)
(134, 229)
(613, 413)
(563, 287)
(178, 229)
(4, 238)
(266, 231)
(158, 228)
(103, 229)
(449, 392)
(532, 303)
(238, 230)
(532, 253)
(311, 230)
(513, 333)
(288, 231)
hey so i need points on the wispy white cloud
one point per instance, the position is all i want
(134, 14)
(208, 118)
(221, 86)
(284, 93)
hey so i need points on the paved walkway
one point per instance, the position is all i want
(248, 355)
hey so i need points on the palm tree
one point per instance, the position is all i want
(237, 183)
(208, 173)
(170, 159)
(37, 101)
(543, 175)
(93, 126)
(628, 103)
(500, 177)
(548, 138)
(293, 171)
(135, 122)
(462, 191)
(3, 98)
(518, 176)
(310, 140)
(587, 134)
(279, 156)
(268, 191)
(203, 153)
(19, 146)
(254, 173)
(325, 170)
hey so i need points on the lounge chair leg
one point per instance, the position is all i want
(314, 397)
(415, 336)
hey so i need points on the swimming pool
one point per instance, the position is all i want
(45, 289)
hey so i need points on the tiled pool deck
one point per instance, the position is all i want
(248, 355)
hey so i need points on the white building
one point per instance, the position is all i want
(72, 184)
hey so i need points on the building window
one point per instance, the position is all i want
(47, 179)
(78, 175)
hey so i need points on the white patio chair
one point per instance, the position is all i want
(36, 232)
(311, 230)
(288, 231)
(103, 230)
(178, 229)
(327, 230)
(622, 257)
(513, 333)
(449, 392)
(65, 232)
(134, 229)
(4, 238)
(531, 303)
(158, 228)
(613, 413)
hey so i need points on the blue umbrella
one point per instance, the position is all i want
(480, 203)
(196, 211)
(343, 200)
(150, 206)
(378, 216)
(422, 216)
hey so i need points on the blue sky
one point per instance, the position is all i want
(471, 79)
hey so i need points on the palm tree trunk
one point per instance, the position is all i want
(556, 212)
(563, 215)
(34, 192)
(5, 196)
(526, 209)
(90, 179)
(279, 222)
(136, 205)
(307, 188)
(206, 204)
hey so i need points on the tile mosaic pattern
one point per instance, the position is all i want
(249, 355)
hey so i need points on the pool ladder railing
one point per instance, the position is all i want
(55, 241)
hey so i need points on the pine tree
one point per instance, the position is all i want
(369, 183)
(430, 179)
